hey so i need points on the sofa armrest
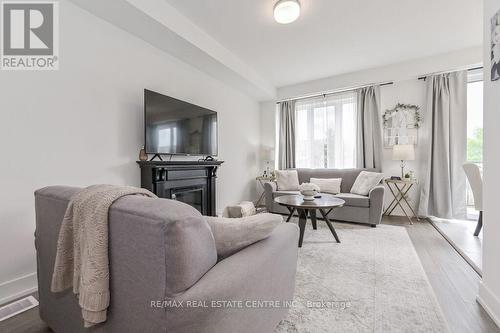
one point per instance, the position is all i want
(376, 196)
(269, 188)
(262, 271)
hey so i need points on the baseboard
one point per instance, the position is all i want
(17, 288)
(489, 302)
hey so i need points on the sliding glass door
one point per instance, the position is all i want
(474, 129)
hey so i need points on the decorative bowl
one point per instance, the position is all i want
(308, 191)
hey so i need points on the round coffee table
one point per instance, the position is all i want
(304, 208)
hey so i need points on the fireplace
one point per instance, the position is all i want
(191, 182)
(193, 196)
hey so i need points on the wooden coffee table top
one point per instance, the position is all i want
(296, 201)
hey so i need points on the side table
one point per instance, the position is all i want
(262, 180)
(399, 190)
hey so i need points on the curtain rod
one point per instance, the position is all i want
(457, 70)
(368, 85)
(333, 92)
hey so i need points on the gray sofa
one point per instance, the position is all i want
(357, 208)
(164, 250)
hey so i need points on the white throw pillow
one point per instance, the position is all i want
(232, 235)
(247, 208)
(366, 181)
(232, 211)
(328, 185)
(287, 180)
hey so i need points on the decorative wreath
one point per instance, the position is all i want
(401, 108)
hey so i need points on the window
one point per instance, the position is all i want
(474, 126)
(326, 131)
(475, 119)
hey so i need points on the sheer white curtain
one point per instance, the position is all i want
(326, 129)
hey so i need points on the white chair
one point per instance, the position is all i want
(476, 183)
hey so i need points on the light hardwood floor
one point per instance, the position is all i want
(454, 282)
(460, 233)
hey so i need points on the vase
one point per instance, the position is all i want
(142, 155)
(308, 195)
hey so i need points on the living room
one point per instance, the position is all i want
(323, 189)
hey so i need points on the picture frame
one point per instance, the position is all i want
(495, 47)
(401, 125)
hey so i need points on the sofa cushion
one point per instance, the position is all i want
(287, 180)
(278, 193)
(232, 235)
(366, 181)
(348, 176)
(354, 200)
(328, 185)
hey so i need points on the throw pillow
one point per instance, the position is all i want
(232, 235)
(232, 211)
(245, 208)
(365, 182)
(287, 180)
(328, 185)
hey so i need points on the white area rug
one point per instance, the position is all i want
(371, 282)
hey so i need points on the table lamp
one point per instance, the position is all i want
(268, 157)
(403, 153)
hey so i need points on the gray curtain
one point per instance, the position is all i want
(286, 142)
(444, 143)
(369, 136)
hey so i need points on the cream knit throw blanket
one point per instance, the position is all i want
(82, 248)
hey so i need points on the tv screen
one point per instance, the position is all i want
(173, 126)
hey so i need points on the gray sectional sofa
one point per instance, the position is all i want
(357, 208)
(163, 250)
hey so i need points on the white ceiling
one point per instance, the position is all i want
(333, 36)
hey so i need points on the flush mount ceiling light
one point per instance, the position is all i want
(286, 11)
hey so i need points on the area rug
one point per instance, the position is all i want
(371, 282)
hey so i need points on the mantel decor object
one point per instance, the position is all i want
(142, 154)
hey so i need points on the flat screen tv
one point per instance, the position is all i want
(173, 126)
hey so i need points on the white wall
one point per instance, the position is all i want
(406, 89)
(267, 123)
(397, 72)
(489, 290)
(83, 125)
(267, 134)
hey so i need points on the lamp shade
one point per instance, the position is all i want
(403, 152)
(267, 153)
